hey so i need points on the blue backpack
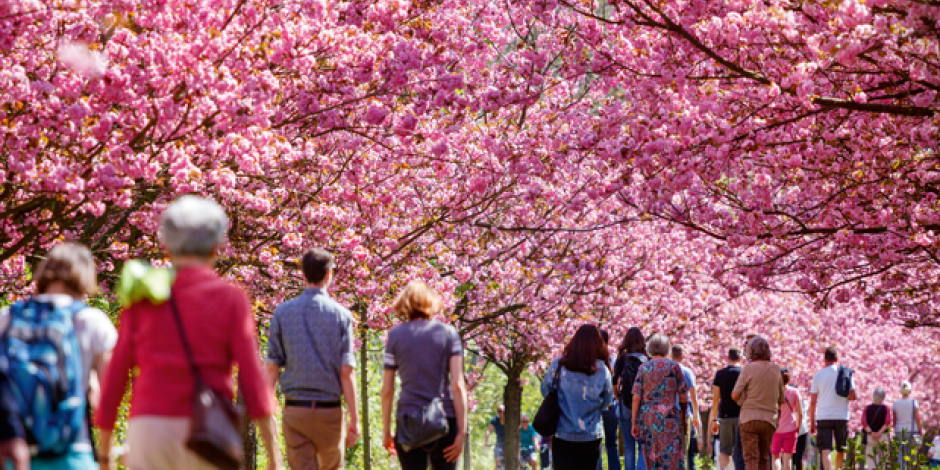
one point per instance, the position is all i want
(40, 357)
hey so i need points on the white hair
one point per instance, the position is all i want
(658, 345)
(879, 395)
(194, 226)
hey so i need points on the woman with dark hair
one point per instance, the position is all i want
(630, 356)
(584, 390)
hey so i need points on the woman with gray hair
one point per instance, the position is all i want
(759, 390)
(215, 319)
(876, 419)
(660, 397)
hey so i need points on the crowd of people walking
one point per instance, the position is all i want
(178, 343)
(758, 418)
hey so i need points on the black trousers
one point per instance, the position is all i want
(800, 450)
(571, 455)
(433, 454)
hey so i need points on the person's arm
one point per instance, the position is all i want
(607, 394)
(696, 420)
(458, 390)
(894, 420)
(865, 426)
(486, 438)
(851, 396)
(255, 390)
(274, 359)
(388, 397)
(267, 427)
(740, 387)
(812, 412)
(887, 424)
(713, 415)
(352, 407)
(636, 412)
(347, 381)
(917, 418)
(114, 384)
(799, 411)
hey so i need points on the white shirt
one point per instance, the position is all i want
(829, 405)
(935, 448)
(93, 330)
(903, 410)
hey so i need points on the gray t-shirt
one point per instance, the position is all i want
(311, 337)
(420, 350)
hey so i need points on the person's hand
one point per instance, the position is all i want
(716, 428)
(876, 435)
(812, 428)
(388, 441)
(486, 442)
(352, 434)
(15, 450)
(696, 421)
(635, 431)
(453, 451)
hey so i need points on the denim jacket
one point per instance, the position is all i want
(581, 399)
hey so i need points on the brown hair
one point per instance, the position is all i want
(633, 342)
(584, 350)
(417, 300)
(72, 265)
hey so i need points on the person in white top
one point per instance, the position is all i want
(907, 420)
(67, 275)
(829, 412)
(934, 452)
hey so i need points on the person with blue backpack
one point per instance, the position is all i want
(49, 346)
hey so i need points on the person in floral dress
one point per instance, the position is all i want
(659, 398)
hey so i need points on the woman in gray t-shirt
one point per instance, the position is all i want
(423, 353)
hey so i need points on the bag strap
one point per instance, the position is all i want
(189, 352)
(555, 376)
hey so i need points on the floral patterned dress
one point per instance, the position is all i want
(659, 383)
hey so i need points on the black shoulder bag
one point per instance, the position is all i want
(422, 426)
(214, 431)
(546, 419)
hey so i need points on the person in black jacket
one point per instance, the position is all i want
(630, 356)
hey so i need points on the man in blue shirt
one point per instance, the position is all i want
(311, 338)
(497, 426)
(693, 422)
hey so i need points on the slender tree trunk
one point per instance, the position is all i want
(512, 399)
(467, 464)
(249, 439)
(364, 399)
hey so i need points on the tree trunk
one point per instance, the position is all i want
(364, 399)
(249, 439)
(512, 399)
(467, 464)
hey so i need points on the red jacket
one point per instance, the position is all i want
(220, 327)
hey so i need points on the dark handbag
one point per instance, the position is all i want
(546, 419)
(215, 430)
(422, 426)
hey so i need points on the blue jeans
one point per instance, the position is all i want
(737, 455)
(609, 418)
(633, 451)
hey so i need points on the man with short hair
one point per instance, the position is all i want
(311, 338)
(723, 418)
(497, 426)
(828, 411)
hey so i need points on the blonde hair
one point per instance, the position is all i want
(417, 300)
(72, 265)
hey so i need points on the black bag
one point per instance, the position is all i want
(631, 366)
(215, 425)
(844, 381)
(420, 427)
(546, 419)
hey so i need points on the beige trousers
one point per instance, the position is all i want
(314, 438)
(159, 443)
